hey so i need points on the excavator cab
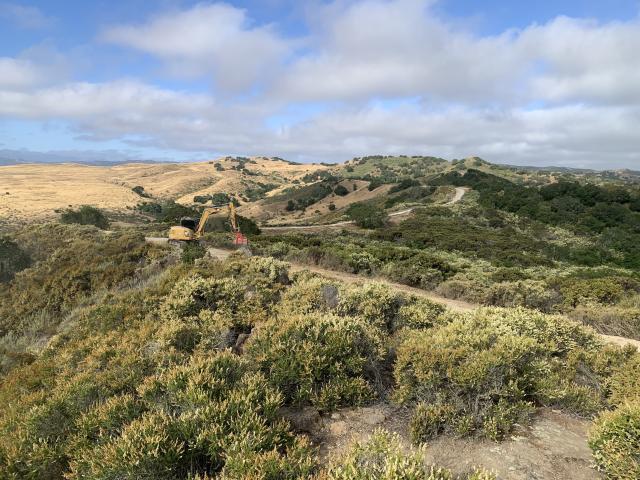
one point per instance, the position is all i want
(188, 222)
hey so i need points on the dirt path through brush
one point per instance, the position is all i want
(455, 305)
(460, 192)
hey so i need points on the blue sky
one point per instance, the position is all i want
(514, 82)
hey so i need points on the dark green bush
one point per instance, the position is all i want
(85, 215)
(12, 259)
(322, 359)
(216, 198)
(366, 215)
(341, 190)
(191, 252)
(139, 189)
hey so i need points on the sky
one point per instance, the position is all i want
(527, 83)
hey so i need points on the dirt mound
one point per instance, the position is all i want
(553, 447)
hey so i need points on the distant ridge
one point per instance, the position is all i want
(21, 157)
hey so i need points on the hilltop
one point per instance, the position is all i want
(36, 191)
(272, 191)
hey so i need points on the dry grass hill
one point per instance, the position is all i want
(36, 191)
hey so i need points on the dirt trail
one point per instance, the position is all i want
(552, 447)
(460, 192)
(455, 305)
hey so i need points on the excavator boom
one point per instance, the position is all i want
(203, 220)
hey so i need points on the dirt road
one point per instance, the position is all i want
(459, 193)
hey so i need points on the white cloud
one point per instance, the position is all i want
(15, 73)
(376, 48)
(398, 48)
(583, 60)
(143, 115)
(36, 66)
(390, 76)
(24, 16)
(215, 38)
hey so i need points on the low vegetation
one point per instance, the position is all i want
(124, 360)
(85, 215)
(383, 458)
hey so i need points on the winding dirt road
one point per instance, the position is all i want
(459, 193)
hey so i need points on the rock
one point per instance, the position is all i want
(330, 296)
(239, 345)
(338, 428)
(303, 420)
(372, 416)
(336, 416)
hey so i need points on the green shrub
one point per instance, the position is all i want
(309, 293)
(12, 259)
(321, 359)
(484, 370)
(206, 312)
(363, 262)
(211, 416)
(139, 189)
(216, 198)
(383, 457)
(374, 302)
(191, 252)
(599, 290)
(615, 442)
(625, 382)
(341, 190)
(86, 215)
(421, 270)
(84, 262)
(610, 320)
(419, 313)
(525, 293)
(366, 215)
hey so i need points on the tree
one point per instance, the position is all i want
(341, 190)
(85, 215)
(366, 215)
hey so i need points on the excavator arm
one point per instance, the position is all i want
(239, 239)
(233, 219)
(203, 220)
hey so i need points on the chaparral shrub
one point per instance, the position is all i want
(615, 442)
(382, 457)
(322, 359)
(86, 215)
(485, 370)
(212, 416)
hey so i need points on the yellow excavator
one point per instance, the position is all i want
(188, 231)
